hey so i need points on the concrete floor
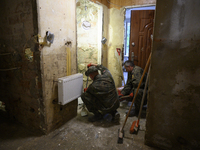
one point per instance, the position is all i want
(76, 134)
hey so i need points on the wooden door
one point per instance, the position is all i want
(141, 35)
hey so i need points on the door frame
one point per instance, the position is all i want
(128, 20)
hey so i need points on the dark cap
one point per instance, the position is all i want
(90, 70)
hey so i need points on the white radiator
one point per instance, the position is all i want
(70, 88)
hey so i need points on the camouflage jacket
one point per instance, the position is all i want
(133, 82)
(103, 89)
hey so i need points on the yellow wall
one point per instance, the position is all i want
(116, 40)
(60, 19)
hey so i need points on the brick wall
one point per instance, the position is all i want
(20, 76)
(28, 70)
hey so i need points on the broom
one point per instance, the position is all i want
(121, 130)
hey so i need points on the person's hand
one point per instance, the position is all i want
(85, 89)
(89, 65)
(131, 95)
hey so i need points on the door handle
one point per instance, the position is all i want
(133, 44)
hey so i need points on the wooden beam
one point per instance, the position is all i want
(123, 3)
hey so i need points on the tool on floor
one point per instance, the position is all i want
(84, 111)
(135, 125)
(121, 130)
(122, 98)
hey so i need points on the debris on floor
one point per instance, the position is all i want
(76, 134)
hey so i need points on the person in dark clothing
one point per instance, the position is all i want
(132, 84)
(101, 96)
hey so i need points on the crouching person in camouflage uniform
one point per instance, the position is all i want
(101, 96)
(132, 84)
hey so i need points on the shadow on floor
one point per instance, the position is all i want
(11, 129)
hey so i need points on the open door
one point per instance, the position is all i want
(141, 34)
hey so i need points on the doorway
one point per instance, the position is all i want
(137, 41)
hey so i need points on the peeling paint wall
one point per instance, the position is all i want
(20, 76)
(59, 18)
(173, 120)
(105, 31)
(113, 29)
(88, 35)
(116, 40)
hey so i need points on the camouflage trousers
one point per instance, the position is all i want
(93, 105)
(138, 100)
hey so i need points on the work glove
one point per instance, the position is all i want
(131, 95)
(85, 89)
(89, 65)
(118, 91)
